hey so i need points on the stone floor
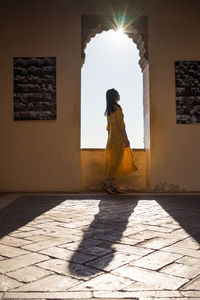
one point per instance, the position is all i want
(100, 247)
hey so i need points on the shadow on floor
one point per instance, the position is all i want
(24, 209)
(109, 223)
(108, 226)
(185, 209)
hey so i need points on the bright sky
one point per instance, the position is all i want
(111, 62)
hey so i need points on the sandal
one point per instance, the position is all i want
(107, 189)
(116, 190)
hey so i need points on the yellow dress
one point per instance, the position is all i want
(119, 159)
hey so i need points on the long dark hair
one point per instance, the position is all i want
(111, 97)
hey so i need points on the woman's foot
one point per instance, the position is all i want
(107, 188)
(116, 190)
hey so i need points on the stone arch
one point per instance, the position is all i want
(137, 31)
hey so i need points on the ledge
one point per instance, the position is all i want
(103, 149)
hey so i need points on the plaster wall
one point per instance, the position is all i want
(173, 35)
(41, 155)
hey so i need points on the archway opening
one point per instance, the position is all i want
(111, 62)
(92, 159)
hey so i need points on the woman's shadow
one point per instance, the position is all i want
(105, 230)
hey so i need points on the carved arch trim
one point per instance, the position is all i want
(137, 31)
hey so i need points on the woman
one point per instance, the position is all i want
(118, 155)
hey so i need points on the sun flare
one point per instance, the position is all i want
(120, 31)
(119, 36)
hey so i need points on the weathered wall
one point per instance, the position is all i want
(41, 155)
(92, 165)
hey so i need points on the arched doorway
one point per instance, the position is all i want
(137, 31)
(111, 62)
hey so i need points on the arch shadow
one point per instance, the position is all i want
(184, 209)
(24, 210)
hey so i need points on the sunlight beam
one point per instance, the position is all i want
(120, 30)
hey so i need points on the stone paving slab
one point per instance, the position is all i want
(30, 273)
(195, 294)
(189, 261)
(11, 241)
(138, 251)
(156, 260)
(7, 283)
(193, 285)
(100, 247)
(47, 295)
(26, 234)
(11, 251)
(104, 282)
(13, 264)
(181, 270)
(68, 255)
(188, 243)
(140, 295)
(156, 243)
(141, 286)
(153, 298)
(162, 280)
(76, 270)
(183, 251)
(50, 283)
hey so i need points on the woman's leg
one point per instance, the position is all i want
(113, 183)
(107, 185)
